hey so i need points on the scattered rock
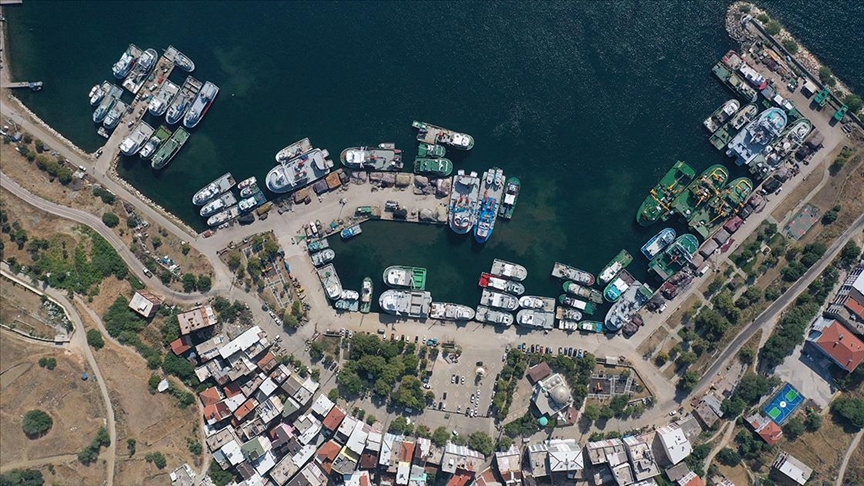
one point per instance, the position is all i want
(403, 180)
(427, 215)
(442, 187)
(421, 181)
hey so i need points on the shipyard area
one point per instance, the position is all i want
(635, 372)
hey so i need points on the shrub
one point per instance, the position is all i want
(853, 102)
(157, 459)
(791, 46)
(49, 363)
(110, 219)
(95, 339)
(849, 411)
(106, 196)
(729, 457)
(773, 27)
(22, 477)
(688, 381)
(826, 76)
(794, 428)
(195, 447)
(763, 18)
(36, 423)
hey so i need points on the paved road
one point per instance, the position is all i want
(852, 448)
(769, 317)
(79, 343)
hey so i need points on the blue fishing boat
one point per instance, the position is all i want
(658, 243)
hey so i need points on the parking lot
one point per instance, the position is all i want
(458, 381)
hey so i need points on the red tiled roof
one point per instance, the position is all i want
(695, 481)
(216, 411)
(461, 478)
(855, 307)
(406, 452)
(232, 389)
(267, 362)
(333, 419)
(244, 409)
(210, 396)
(181, 345)
(326, 454)
(839, 343)
(771, 433)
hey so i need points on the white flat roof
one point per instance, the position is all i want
(241, 342)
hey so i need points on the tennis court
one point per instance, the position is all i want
(783, 404)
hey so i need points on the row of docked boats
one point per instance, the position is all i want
(219, 205)
(477, 202)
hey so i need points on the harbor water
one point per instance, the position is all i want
(589, 103)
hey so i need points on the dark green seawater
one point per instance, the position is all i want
(589, 103)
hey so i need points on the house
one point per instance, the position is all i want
(183, 476)
(641, 457)
(357, 440)
(678, 472)
(245, 342)
(791, 470)
(229, 453)
(216, 440)
(708, 411)
(196, 319)
(322, 406)
(509, 465)
(358, 478)
(674, 443)
(461, 457)
(181, 345)
(295, 387)
(145, 304)
(327, 454)
(280, 435)
(422, 449)
(333, 419)
(600, 452)
(839, 344)
(308, 426)
(345, 462)
(310, 475)
(385, 457)
(211, 396)
(565, 456)
(538, 372)
(346, 428)
(283, 470)
(209, 349)
(691, 479)
(765, 428)
(268, 362)
(622, 473)
(537, 455)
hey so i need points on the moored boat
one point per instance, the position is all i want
(661, 196)
(568, 314)
(202, 103)
(166, 152)
(491, 190)
(581, 291)
(566, 272)
(351, 232)
(214, 189)
(512, 271)
(349, 305)
(534, 302)
(721, 115)
(299, 165)
(487, 280)
(223, 217)
(133, 143)
(408, 303)
(658, 243)
(464, 195)
(617, 287)
(249, 203)
(398, 276)
(581, 305)
(180, 104)
(143, 65)
(224, 201)
(493, 316)
(431, 134)
(430, 150)
(330, 281)
(322, 257)
(511, 195)
(450, 312)
(433, 167)
(366, 296)
(675, 257)
(122, 67)
(247, 183)
(498, 300)
(621, 313)
(318, 245)
(98, 92)
(723, 206)
(534, 318)
(721, 137)
(159, 104)
(107, 103)
(706, 186)
(114, 116)
(613, 268)
(757, 135)
(182, 61)
(154, 142)
(591, 326)
(383, 158)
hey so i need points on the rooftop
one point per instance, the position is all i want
(196, 319)
(538, 372)
(841, 345)
(600, 451)
(144, 303)
(765, 428)
(333, 419)
(792, 468)
(674, 442)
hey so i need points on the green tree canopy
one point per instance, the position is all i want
(481, 442)
(36, 423)
(440, 436)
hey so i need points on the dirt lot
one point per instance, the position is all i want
(821, 450)
(737, 474)
(22, 310)
(75, 405)
(855, 469)
(73, 473)
(154, 421)
(798, 195)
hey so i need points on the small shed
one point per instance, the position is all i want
(302, 196)
(722, 236)
(320, 187)
(809, 88)
(815, 139)
(333, 181)
(709, 248)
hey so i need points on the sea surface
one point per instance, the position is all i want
(589, 103)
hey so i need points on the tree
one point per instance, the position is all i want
(195, 447)
(728, 457)
(234, 260)
(849, 254)
(813, 422)
(440, 436)
(22, 477)
(157, 459)
(398, 425)
(606, 413)
(746, 355)
(790, 45)
(189, 282)
(753, 387)
(36, 423)
(688, 381)
(853, 102)
(732, 407)
(95, 339)
(204, 283)
(371, 419)
(794, 428)
(166, 277)
(157, 242)
(110, 219)
(592, 412)
(49, 363)
(504, 443)
(481, 442)
(333, 395)
(130, 446)
(850, 411)
(826, 76)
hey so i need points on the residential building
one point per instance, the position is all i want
(765, 428)
(461, 457)
(322, 406)
(674, 443)
(691, 479)
(326, 455)
(358, 478)
(537, 464)
(209, 349)
(641, 457)
(181, 345)
(565, 456)
(848, 304)
(308, 426)
(509, 465)
(622, 473)
(183, 476)
(248, 342)
(334, 419)
(602, 451)
(310, 475)
(145, 304)
(791, 470)
(196, 319)
(838, 344)
(678, 472)
(216, 440)
(708, 411)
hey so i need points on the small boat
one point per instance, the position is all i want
(511, 194)
(721, 115)
(318, 245)
(324, 256)
(586, 307)
(246, 183)
(183, 62)
(658, 243)
(546, 304)
(562, 271)
(433, 167)
(535, 318)
(248, 204)
(330, 281)
(162, 134)
(568, 314)
(487, 280)
(350, 295)
(431, 134)
(250, 191)
(501, 268)
(620, 262)
(122, 67)
(499, 300)
(159, 104)
(492, 316)
(405, 277)
(366, 296)
(591, 326)
(410, 303)
(431, 150)
(115, 115)
(617, 287)
(98, 92)
(346, 305)
(351, 232)
(133, 143)
(581, 291)
(212, 190)
(450, 312)
(223, 217)
(224, 201)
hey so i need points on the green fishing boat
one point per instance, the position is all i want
(708, 185)
(676, 256)
(169, 149)
(400, 277)
(156, 141)
(721, 207)
(610, 271)
(431, 150)
(661, 196)
(433, 167)
(593, 295)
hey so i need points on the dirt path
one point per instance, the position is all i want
(727, 436)
(852, 448)
(79, 344)
(35, 463)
